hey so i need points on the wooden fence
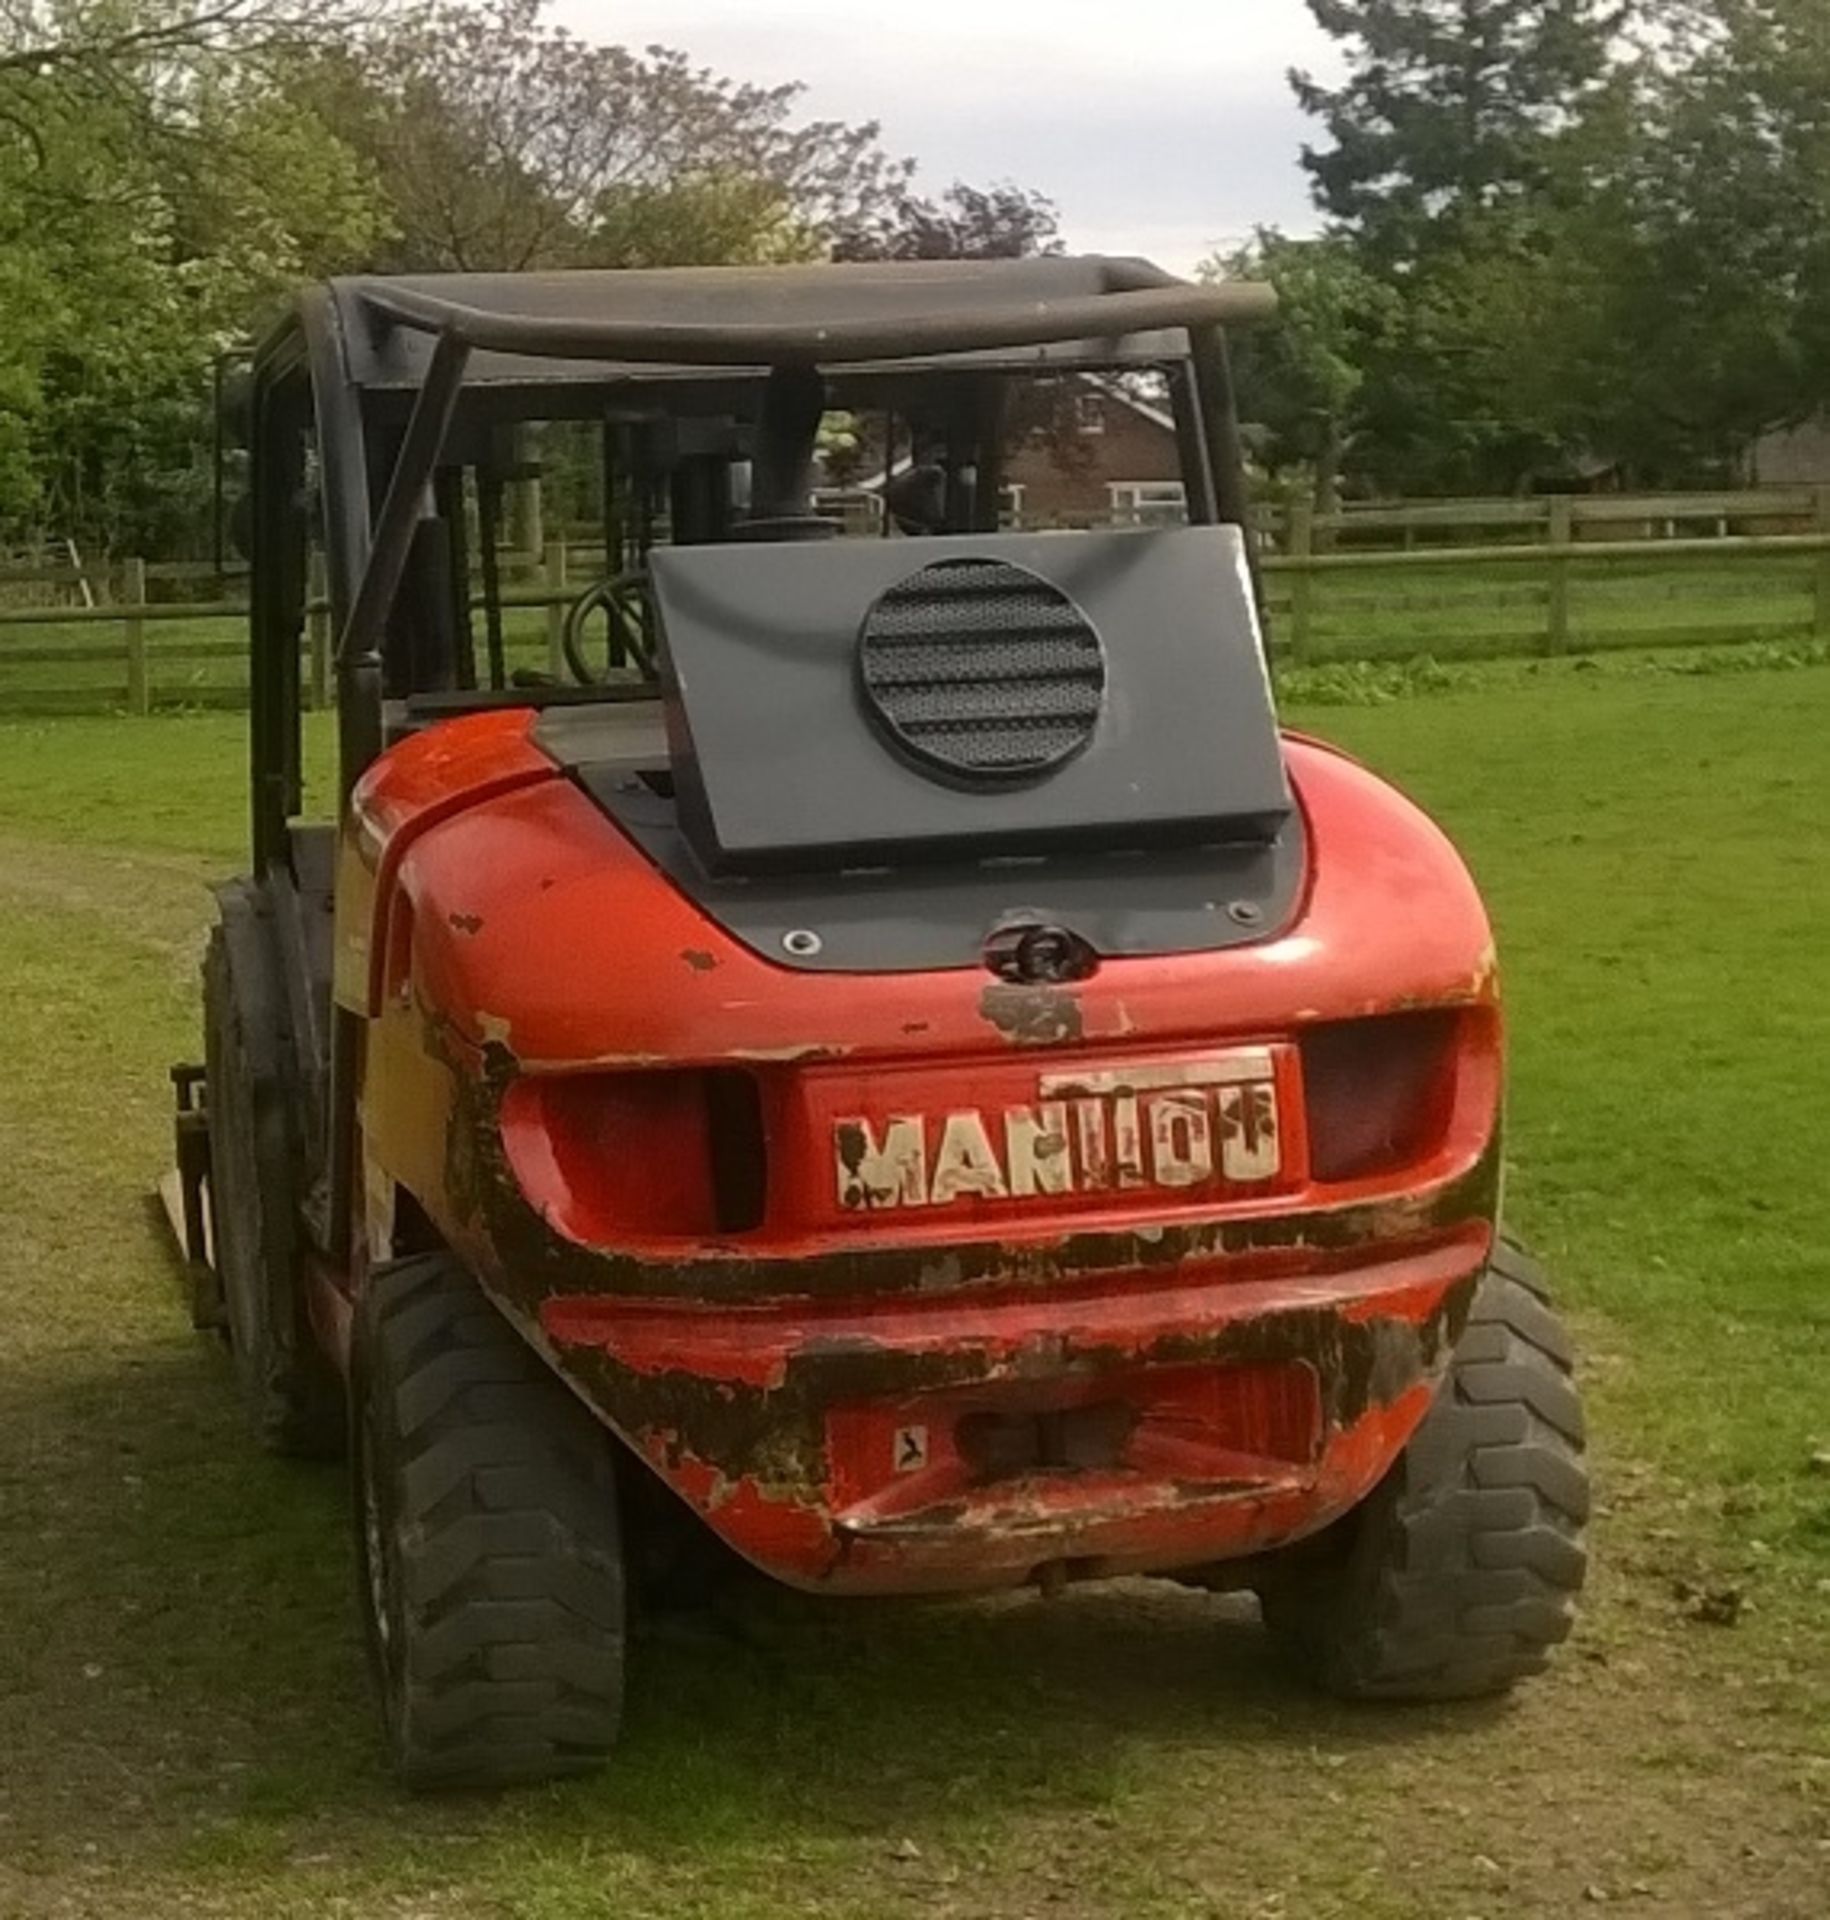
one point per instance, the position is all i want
(1369, 582)
(1544, 519)
(132, 664)
(1767, 568)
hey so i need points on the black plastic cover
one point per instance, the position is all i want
(932, 915)
(782, 763)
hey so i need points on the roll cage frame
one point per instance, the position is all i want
(377, 370)
(304, 382)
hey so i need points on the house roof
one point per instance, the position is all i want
(1115, 389)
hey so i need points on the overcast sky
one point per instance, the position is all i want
(1161, 127)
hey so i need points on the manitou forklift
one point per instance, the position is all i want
(871, 1052)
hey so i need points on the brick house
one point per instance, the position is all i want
(1118, 465)
(1109, 460)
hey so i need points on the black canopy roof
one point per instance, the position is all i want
(597, 326)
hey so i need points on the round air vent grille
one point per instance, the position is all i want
(982, 669)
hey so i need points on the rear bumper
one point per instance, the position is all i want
(1141, 1419)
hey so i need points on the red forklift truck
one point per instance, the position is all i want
(873, 1049)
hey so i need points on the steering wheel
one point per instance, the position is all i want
(622, 599)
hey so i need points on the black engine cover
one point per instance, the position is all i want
(883, 702)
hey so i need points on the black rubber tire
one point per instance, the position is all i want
(1459, 1573)
(292, 1391)
(488, 1540)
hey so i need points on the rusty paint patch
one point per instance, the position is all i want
(699, 959)
(750, 1443)
(465, 922)
(775, 1436)
(535, 1262)
(1033, 1016)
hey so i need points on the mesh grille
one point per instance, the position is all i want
(982, 668)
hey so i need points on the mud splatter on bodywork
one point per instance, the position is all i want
(746, 1378)
(1033, 1016)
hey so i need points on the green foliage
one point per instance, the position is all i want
(709, 217)
(1599, 249)
(171, 169)
(1763, 656)
(150, 205)
(1378, 682)
(1302, 383)
(1730, 287)
(1367, 683)
(505, 142)
(1452, 110)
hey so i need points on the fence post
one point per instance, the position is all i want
(530, 502)
(133, 601)
(1562, 538)
(317, 631)
(1823, 564)
(1301, 547)
(555, 613)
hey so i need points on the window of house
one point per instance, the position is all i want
(1089, 413)
(1147, 503)
(1010, 504)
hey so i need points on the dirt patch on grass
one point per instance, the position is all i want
(155, 902)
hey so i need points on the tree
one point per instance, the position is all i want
(1729, 299)
(1302, 383)
(170, 169)
(507, 143)
(99, 37)
(1597, 247)
(1453, 108)
(1001, 222)
(1479, 177)
(61, 59)
(155, 194)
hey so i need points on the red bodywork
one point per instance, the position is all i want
(1094, 1352)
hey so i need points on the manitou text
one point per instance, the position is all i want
(1176, 1126)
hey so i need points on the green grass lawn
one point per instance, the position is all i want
(183, 1717)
